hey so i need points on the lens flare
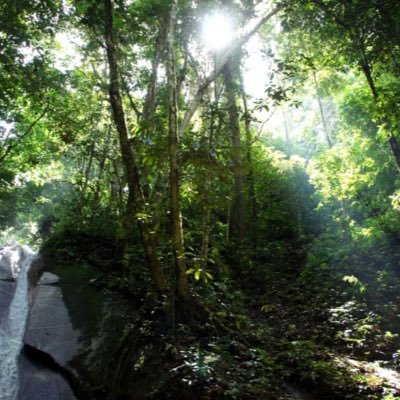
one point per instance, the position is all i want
(217, 31)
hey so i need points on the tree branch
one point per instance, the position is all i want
(194, 104)
(130, 98)
(23, 135)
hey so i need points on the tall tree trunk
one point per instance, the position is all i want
(115, 183)
(366, 68)
(237, 215)
(321, 111)
(149, 106)
(88, 170)
(174, 170)
(147, 119)
(205, 241)
(253, 214)
(206, 198)
(102, 164)
(287, 135)
(136, 201)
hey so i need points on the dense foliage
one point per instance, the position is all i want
(264, 232)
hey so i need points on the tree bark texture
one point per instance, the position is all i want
(174, 170)
(135, 203)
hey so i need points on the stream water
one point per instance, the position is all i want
(18, 259)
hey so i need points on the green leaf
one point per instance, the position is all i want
(208, 275)
(197, 274)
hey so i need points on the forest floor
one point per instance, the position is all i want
(268, 336)
(263, 332)
(304, 332)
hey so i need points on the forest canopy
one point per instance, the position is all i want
(202, 151)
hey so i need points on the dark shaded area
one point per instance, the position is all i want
(42, 378)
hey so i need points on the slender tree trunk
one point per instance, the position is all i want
(228, 223)
(252, 198)
(116, 183)
(287, 135)
(366, 68)
(393, 142)
(206, 200)
(174, 170)
(237, 215)
(88, 168)
(136, 201)
(394, 145)
(253, 214)
(147, 119)
(102, 164)
(321, 111)
(205, 242)
(149, 106)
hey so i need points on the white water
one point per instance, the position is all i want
(12, 329)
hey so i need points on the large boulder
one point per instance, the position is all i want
(77, 328)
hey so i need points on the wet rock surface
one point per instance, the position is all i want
(7, 290)
(77, 326)
(15, 261)
(37, 382)
(49, 326)
(8, 284)
(10, 257)
(21, 379)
